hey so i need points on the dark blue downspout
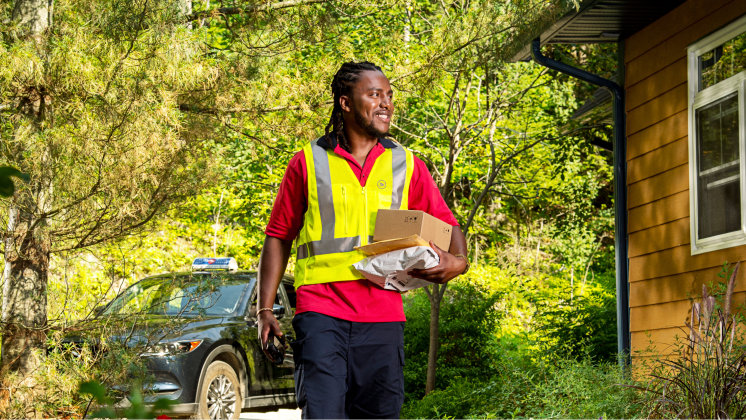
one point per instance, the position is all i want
(620, 183)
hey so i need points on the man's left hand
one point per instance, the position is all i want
(449, 268)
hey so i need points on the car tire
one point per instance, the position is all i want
(220, 396)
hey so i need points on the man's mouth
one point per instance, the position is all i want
(385, 117)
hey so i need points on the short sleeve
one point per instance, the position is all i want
(424, 194)
(291, 201)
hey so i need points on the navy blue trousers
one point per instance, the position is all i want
(348, 370)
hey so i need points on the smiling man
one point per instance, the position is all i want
(349, 348)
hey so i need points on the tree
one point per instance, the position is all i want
(466, 110)
(90, 113)
(115, 110)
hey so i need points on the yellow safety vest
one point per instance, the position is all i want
(341, 214)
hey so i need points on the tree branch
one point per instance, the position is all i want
(223, 11)
(215, 111)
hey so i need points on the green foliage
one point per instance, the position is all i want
(137, 408)
(67, 364)
(466, 321)
(7, 188)
(569, 389)
(584, 325)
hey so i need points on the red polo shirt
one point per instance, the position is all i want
(353, 300)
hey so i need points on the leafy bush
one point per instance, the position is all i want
(585, 325)
(467, 320)
(569, 389)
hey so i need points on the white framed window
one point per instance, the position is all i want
(717, 138)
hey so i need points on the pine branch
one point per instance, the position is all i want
(224, 11)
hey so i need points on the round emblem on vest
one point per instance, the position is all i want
(381, 184)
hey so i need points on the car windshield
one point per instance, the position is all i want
(181, 295)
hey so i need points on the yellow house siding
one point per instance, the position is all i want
(663, 273)
(658, 212)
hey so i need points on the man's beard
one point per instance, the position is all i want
(369, 128)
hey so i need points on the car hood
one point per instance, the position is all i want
(143, 329)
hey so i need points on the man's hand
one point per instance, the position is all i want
(267, 322)
(449, 268)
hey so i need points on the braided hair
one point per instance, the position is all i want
(346, 77)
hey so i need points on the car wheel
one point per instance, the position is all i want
(220, 397)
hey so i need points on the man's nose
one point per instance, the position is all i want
(386, 102)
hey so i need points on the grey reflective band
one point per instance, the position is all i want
(324, 190)
(328, 244)
(399, 170)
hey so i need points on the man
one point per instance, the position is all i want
(349, 332)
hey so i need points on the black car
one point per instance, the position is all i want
(211, 364)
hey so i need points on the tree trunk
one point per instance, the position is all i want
(24, 312)
(435, 296)
(33, 16)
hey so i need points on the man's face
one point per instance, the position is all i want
(372, 104)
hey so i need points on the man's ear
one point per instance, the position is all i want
(344, 103)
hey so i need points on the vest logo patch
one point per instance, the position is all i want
(381, 184)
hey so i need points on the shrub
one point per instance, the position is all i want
(569, 389)
(585, 325)
(467, 320)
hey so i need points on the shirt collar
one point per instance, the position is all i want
(330, 142)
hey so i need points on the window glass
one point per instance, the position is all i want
(179, 296)
(722, 62)
(253, 304)
(719, 192)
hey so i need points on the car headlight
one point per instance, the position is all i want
(170, 349)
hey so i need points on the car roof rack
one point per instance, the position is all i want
(219, 263)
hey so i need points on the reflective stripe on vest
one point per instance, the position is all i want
(398, 169)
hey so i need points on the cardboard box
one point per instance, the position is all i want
(396, 224)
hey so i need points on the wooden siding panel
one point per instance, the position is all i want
(675, 21)
(657, 84)
(665, 210)
(659, 186)
(662, 341)
(660, 237)
(668, 315)
(658, 135)
(655, 317)
(679, 286)
(658, 161)
(674, 47)
(657, 110)
(679, 260)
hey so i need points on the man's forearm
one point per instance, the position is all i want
(458, 242)
(272, 264)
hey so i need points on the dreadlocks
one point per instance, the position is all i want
(347, 76)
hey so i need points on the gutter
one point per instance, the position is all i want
(620, 188)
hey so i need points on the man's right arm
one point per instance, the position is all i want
(272, 264)
(284, 224)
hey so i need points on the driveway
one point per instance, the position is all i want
(281, 414)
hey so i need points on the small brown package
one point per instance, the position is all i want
(396, 224)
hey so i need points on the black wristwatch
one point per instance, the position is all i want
(466, 270)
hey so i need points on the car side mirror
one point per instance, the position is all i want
(278, 311)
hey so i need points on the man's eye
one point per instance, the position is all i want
(375, 94)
